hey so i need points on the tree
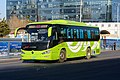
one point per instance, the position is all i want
(14, 22)
(4, 28)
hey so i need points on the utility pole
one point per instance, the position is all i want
(81, 3)
(118, 12)
(118, 5)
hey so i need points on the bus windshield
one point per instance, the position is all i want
(37, 33)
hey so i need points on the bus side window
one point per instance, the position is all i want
(75, 33)
(63, 32)
(89, 34)
(53, 34)
(97, 35)
(81, 34)
(85, 35)
(92, 34)
(68, 33)
(72, 33)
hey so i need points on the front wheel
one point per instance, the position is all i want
(62, 56)
(88, 53)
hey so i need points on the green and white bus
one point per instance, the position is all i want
(59, 40)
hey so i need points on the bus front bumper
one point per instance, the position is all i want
(36, 55)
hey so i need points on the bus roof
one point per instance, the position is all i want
(61, 22)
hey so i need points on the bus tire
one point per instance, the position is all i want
(88, 53)
(62, 56)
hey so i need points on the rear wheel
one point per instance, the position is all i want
(62, 56)
(88, 53)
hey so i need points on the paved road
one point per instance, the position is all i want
(104, 67)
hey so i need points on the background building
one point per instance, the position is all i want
(22, 9)
(91, 10)
(49, 9)
(112, 27)
(112, 36)
(116, 10)
(97, 11)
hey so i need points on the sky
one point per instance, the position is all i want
(2, 8)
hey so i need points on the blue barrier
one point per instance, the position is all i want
(4, 49)
(109, 44)
(10, 47)
(15, 48)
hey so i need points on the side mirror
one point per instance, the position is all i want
(15, 34)
(49, 31)
(16, 31)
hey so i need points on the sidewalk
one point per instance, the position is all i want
(3, 60)
(106, 50)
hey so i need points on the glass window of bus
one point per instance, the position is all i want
(85, 35)
(63, 32)
(33, 36)
(92, 34)
(81, 34)
(75, 33)
(72, 33)
(89, 34)
(95, 34)
(53, 34)
(69, 33)
(23, 34)
(38, 32)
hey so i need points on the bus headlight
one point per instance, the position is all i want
(46, 52)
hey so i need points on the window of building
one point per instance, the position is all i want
(33, 11)
(49, 0)
(44, 0)
(109, 25)
(116, 25)
(11, 3)
(96, 25)
(50, 5)
(102, 25)
(115, 32)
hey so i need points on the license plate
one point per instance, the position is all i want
(33, 57)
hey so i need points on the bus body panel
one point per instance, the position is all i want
(74, 35)
(73, 49)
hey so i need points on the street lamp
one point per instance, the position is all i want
(118, 5)
(81, 1)
(117, 10)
